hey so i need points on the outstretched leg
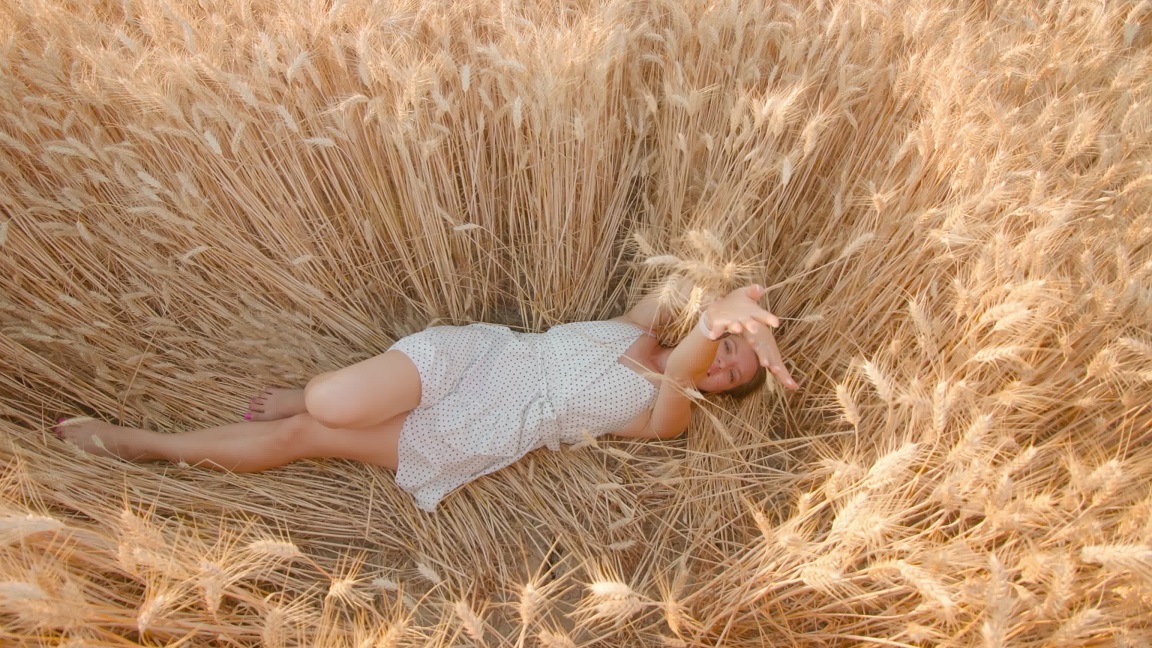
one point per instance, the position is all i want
(354, 413)
(243, 447)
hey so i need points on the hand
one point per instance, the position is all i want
(739, 313)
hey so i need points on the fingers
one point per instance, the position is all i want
(764, 318)
(769, 354)
(747, 325)
(756, 329)
(785, 378)
(719, 325)
(752, 323)
(754, 293)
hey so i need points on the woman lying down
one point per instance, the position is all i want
(452, 403)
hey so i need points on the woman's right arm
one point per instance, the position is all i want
(739, 313)
(671, 412)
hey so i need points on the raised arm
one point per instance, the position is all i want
(688, 362)
(739, 313)
(743, 316)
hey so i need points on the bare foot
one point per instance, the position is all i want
(274, 404)
(94, 437)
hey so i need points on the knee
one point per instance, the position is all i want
(297, 432)
(327, 401)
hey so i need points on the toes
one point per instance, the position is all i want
(263, 394)
(257, 404)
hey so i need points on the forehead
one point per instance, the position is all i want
(744, 350)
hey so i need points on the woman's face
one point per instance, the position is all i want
(735, 364)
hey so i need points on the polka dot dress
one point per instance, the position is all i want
(490, 395)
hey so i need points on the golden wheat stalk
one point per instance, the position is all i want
(949, 204)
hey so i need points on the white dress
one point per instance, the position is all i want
(490, 395)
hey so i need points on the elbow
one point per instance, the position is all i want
(670, 425)
(667, 433)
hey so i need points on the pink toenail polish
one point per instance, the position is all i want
(248, 416)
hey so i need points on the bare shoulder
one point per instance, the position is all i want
(658, 308)
(647, 313)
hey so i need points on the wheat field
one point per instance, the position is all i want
(950, 202)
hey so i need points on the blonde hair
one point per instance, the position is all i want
(748, 387)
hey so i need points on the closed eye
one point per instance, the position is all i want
(730, 347)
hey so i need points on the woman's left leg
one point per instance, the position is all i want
(361, 395)
(243, 447)
(365, 394)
